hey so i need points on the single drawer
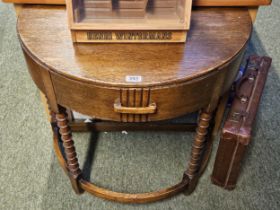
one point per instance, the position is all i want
(133, 104)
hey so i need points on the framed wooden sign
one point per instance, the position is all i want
(129, 20)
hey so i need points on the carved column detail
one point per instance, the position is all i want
(135, 97)
(68, 144)
(198, 144)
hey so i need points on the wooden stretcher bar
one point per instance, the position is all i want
(195, 2)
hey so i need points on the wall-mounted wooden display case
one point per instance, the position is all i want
(129, 20)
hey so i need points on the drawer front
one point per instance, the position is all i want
(130, 104)
(133, 104)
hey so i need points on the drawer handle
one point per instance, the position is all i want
(134, 110)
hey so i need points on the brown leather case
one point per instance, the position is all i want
(236, 134)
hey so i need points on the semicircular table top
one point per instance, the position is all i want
(215, 37)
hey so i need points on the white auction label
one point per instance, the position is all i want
(133, 78)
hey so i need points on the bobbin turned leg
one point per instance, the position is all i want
(214, 128)
(202, 144)
(74, 170)
(198, 149)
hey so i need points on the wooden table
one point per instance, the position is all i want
(135, 84)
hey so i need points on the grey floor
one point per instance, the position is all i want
(32, 179)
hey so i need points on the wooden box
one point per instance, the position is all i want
(129, 20)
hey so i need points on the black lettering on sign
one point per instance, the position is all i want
(129, 35)
(96, 35)
(144, 35)
(120, 35)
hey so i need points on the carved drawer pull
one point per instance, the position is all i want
(134, 110)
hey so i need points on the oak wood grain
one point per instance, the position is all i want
(91, 78)
(158, 64)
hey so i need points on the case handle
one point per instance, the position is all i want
(251, 78)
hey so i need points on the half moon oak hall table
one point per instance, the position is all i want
(135, 83)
